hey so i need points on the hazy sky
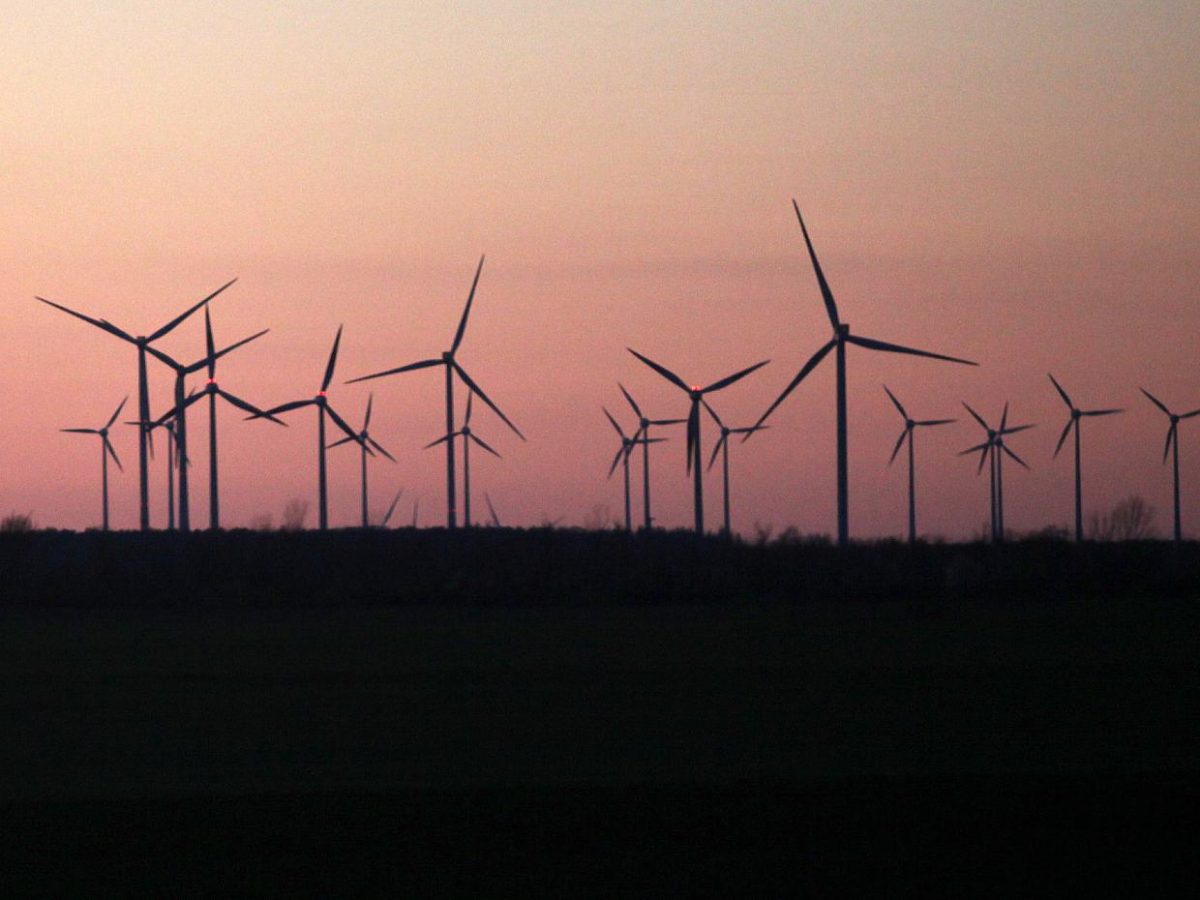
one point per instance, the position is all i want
(1015, 182)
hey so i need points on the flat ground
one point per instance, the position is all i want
(742, 748)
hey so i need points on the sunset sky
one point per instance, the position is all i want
(1015, 183)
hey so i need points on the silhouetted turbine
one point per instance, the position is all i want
(992, 450)
(467, 435)
(1073, 423)
(452, 367)
(213, 390)
(1173, 442)
(622, 456)
(910, 425)
(365, 439)
(696, 395)
(179, 411)
(106, 449)
(142, 343)
(323, 408)
(722, 447)
(841, 337)
(643, 431)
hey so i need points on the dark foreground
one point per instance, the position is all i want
(1002, 837)
(295, 743)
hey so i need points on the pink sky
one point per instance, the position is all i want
(1016, 185)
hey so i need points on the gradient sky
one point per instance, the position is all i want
(1016, 183)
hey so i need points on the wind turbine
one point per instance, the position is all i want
(1173, 443)
(1073, 423)
(467, 435)
(213, 390)
(179, 412)
(366, 442)
(142, 343)
(106, 449)
(992, 450)
(622, 457)
(722, 447)
(841, 337)
(910, 425)
(696, 395)
(323, 409)
(452, 367)
(644, 431)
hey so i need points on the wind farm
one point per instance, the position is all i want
(823, 654)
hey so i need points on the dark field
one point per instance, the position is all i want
(941, 744)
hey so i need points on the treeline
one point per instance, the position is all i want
(498, 567)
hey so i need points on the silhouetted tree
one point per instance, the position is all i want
(1131, 519)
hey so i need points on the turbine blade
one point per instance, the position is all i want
(750, 430)
(716, 449)
(254, 411)
(1004, 447)
(378, 446)
(367, 417)
(978, 418)
(480, 441)
(812, 363)
(614, 423)
(179, 318)
(492, 510)
(976, 448)
(423, 364)
(282, 408)
(616, 459)
(341, 423)
(113, 453)
(1171, 435)
(99, 323)
(332, 361)
(1187, 415)
(1058, 387)
(467, 414)
(462, 323)
(899, 444)
(165, 359)
(113, 417)
(826, 293)
(1113, 412)
(736, 376)
(1015, 429)
(935, 421)
(872, 344)
(667, 421)
(1063, 437)
(990, 448)
(392, 508)
(636, 409)
(209, 361)
(896, 403)
(693, 432)
(1155, 401)
(712, 412)
(440, 440)
(1004, 419)
(210, 346)
(662, 370)
(338, 443)
(80, 430)
(485, 398)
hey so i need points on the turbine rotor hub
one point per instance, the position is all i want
(1174, 419)
(1075, 414)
